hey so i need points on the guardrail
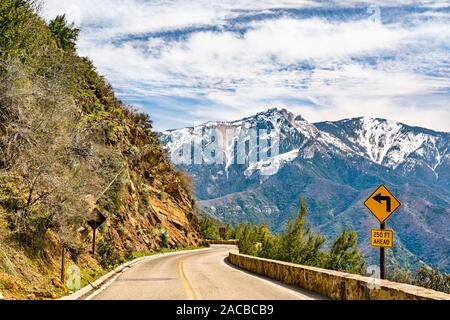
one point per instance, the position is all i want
(334, 284)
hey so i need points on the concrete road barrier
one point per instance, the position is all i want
(334, 284)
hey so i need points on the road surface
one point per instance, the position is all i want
(195, 275)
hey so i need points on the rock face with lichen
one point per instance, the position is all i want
(148, 198)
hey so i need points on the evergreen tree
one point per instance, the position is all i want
(228, 232)
(65, 34)
(269, 243)
(299, 243)
(237, 232)
(345, 255)
(209, 228)
(433, 278)
(247, 242)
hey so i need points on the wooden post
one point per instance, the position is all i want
(63, 256)
(93, 241)
(382, 258)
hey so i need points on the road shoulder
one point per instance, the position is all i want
(91, 290)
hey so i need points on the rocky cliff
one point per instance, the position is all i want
(71, 152)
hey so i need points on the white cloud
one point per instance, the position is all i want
(236, 74)
(409, 113)
(121, 17)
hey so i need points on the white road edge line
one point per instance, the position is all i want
(106, 285)
(291, 291)
(152, 257)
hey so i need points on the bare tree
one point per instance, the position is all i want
(50, 155)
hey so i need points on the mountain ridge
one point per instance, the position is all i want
(335, 165)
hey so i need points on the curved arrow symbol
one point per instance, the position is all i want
(380, 198)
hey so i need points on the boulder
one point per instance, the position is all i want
(58, 284)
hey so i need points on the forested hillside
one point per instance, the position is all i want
(69, 151)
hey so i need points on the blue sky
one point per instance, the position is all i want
(187, 62)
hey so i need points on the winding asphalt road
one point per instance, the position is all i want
(195, 275)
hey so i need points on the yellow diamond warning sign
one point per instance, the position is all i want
(382, 203)
(381, 238)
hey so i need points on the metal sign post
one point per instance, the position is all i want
(94, 224)
(382, 204)
(382, 261)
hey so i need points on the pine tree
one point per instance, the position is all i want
(228, 232)
(209, 228)
(65, 34)
(247, 242)
(299, 243)
(237, 232)
(432, 278)
(345, 255)
(269, 243)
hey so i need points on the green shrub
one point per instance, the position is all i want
(145, 194)
(109, 258)
(164, 238)
(93, 107)
(424, 277)
(162, 195)
(133, 150)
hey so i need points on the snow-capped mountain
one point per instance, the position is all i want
(383, 142)
(394, 145)
(334, 165)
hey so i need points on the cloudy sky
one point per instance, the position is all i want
(187, 62)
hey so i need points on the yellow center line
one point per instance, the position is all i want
(187, 286)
